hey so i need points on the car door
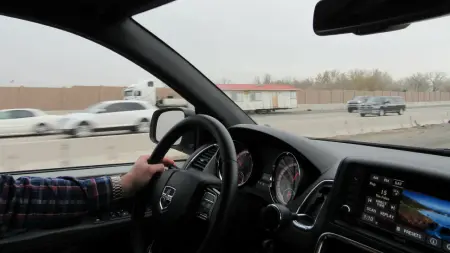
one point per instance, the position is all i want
(110, 117)
(135, 112)
(6, 122)
(393, 104)
(385, 103)
(22, 121)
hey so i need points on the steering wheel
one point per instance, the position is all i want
(181, 198)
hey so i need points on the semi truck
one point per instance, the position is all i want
(147, 90)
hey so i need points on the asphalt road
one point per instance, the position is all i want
(57, 150)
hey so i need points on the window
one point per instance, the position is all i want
(133, 107)
(117, 107)
(255, 96)
(18, 114)
(236, 96)
(62, 73)
(293, 94)
(5, 115)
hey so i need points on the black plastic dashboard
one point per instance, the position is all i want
(329, 165)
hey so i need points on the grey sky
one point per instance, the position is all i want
(229, 39)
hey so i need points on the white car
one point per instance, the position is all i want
(26, 121)
(106, 116)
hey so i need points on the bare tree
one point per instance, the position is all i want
(225, 81)
(369, 80)
(436, 80)
(418, 82)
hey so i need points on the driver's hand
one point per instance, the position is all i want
(141, 173)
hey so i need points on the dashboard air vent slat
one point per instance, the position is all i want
(204, 157)
(312, 205)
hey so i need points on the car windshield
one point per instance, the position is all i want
(360, 98)
(263, 55)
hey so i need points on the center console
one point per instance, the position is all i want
(403, 208)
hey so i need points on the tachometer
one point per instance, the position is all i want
(245, 163)
(286, 178)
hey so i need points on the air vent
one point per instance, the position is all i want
(203, 157)
(309, 210)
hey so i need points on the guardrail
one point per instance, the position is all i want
(317, 107)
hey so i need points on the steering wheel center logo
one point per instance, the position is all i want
(166, 197)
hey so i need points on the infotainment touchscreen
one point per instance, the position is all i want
(390, 205)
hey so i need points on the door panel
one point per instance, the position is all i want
(275, 100)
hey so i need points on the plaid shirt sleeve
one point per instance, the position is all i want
(29, 202)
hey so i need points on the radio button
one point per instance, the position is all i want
(369, 218)
(446, 246)
(375, 178)
(386, 180)
(371, 210)
(369, 201)
(392, 207)
(410, 233)
(381, 203)
(435, 242)
(396, 192)
(398, 183)
(386, 215)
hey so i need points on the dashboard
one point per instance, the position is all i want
(340, 195)
(346, 196)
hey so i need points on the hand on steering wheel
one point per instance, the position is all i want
(180, 198)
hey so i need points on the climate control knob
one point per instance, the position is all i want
(345, 209)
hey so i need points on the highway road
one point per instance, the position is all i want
(57, 150)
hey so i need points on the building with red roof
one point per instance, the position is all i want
(261, 97)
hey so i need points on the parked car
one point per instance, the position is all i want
(353, 104)
(380, 105)
(26, 121)
(105, 116)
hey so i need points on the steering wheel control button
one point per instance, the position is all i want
(206, 205)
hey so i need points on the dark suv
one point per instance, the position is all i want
(353, 104)
(380, 105)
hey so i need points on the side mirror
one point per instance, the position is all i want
(164, 119)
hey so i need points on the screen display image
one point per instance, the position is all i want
(391, 205)
(425, 213)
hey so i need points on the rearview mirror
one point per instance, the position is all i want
(364, 17)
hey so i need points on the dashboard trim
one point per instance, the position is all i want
(309, 227)
(327, 235)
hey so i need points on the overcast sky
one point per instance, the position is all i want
(231, 39)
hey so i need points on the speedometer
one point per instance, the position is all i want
(245, 163)
(286, 178)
